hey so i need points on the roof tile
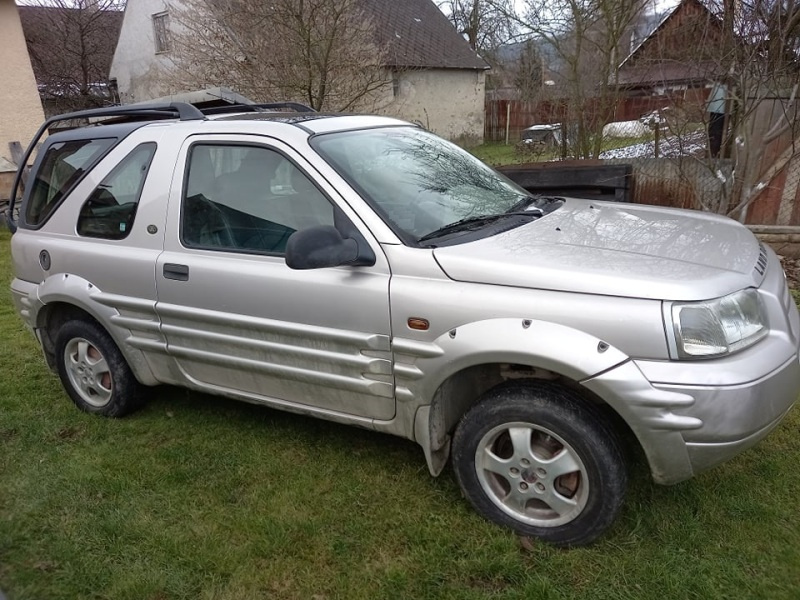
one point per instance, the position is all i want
(417, 34)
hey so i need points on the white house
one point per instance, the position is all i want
(142, 50)
(22, 112)
(438, 78)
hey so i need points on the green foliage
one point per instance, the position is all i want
(198, 497)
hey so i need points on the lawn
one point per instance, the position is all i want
(200, 498)
(498, 154)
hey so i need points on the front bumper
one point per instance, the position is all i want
(705, 415)
(692, 415)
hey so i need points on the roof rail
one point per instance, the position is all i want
(233, 108)
(168, 110)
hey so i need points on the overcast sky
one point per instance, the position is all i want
(657, 5)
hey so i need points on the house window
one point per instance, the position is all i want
(161, 32)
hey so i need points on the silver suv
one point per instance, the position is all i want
(363, 270)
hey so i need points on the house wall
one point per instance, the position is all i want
(448, 102)
(22, 111)
(136, 65)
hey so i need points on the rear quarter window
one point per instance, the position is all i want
(63, 166)
(111, 208)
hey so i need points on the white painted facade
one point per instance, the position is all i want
(22, 112)
(137, 65)
(449, 102)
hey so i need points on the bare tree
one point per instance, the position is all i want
(321, 52)
(782, 25)
(762, 57)
(71, 44)
(751, 49)
(528, 71)
(487, 25)
(585, 38)
(484, 23)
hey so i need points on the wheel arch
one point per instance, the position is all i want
(51, 317)
(480, 356)
(61, 298)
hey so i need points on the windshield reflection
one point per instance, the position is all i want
(418, 182)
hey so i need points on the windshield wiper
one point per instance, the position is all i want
(536, 203)
(524, 203)
(476, 222)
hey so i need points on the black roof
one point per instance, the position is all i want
(108, 130)
(279, 117)
(417, 34)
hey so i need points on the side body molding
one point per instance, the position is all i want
(131, 322)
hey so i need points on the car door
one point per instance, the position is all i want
(237, 320)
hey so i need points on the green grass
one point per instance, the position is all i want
(197, 497)
(498, 154)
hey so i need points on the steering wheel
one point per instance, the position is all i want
(211, 222)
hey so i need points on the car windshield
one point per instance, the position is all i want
(417, 181)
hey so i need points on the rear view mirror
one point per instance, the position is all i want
(323, 246)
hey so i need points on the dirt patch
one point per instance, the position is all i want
(69, 434)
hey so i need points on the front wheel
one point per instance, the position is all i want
(94, 372)
(537, 459)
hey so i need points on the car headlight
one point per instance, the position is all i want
(718, 327)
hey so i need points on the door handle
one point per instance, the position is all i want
(176, 272)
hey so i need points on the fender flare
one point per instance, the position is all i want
(564, 350)
(81, 293)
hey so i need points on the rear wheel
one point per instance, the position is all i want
(94, 372)
(537, 459)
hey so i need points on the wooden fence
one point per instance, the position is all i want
(767, 156)
(516, 115)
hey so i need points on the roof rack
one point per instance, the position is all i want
(234, 108)
(171, 110)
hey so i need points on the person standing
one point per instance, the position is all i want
(716, 118)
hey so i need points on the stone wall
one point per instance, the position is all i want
(784, 240)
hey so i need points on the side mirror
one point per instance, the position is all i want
(323, 246)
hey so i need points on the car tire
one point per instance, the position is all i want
(536, 458)
(94, 372)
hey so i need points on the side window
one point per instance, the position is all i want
(63, 165)
(110, 210)
(247, 198)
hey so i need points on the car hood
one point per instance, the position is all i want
(617, 250)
